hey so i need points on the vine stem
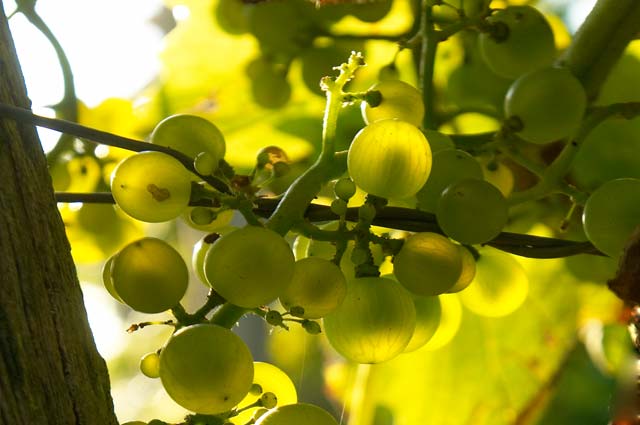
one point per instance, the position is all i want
(429, 47)
(26, 116)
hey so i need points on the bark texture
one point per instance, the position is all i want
(50, 370)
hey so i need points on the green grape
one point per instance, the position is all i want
(149, 275)
(427, 264)
(205, 163)
(270, 379)
(449, 166)
(318, 62)
(399, 100)
(106, 279)
(450, 320)
(151, 186)
(249, 267)
(375, 321)
(438, 141)
(269, 400)
(206, 368)
(339, 207)
(207, 219)
(191, 135)
(150, 365)
(230, 16)
(344, 188)
(473, 85)
(269, 85)
(428, 313)
(499, 287)
(199, 252)
(592, 268)
(610, 151)
(468, 271)
(611, 214)
(297, 414)
(281, 26)
(389, 158)
(548, 103)
(472, 211)
(370, 11)
(524, 42)
(318, 286)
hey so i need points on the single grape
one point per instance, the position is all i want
(427, 264)
(548, 105)
(611, 214)
(106, 278)
(270, 379)
(206, 368)
(199, 252)
(472, 211)
(207, 219)
(450, 320)
(428, 313)
(282, 27)
(205, 164)
(370, 11)
(151, 186)
(231, 17)
(269, 85)
(191, 135)
(150, 365)
(468, 271)
(438, 141)
(250, 267)
(389, 158)
(499, 287)
(297, 414)
(318, 286)
(522, 41)
(149, 275)
(473, 85)
(449, 166)
(374, 323)
(399, 100)
(344, 188)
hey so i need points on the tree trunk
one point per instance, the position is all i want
(50, 370)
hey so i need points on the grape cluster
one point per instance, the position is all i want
(373, 292)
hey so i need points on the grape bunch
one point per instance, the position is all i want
(326, 256)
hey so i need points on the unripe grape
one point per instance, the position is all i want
(106, 279)
(317, 285)
(207, 219)
(344, 188)
(472, 211)
(523, 42)
(297, 414)
(399, 100)
(390, 159)
(199, 251)
(311, 327)
(449, 166)
(272, 380)
(205, 163)
(339, 207)
(428, 313)
(151, 186)
(206, 368)
(499, 287)
(428, 264)
(468, 271)
(192, 135)
(250, 267)
(374, 323)
(611, 214)
(268, 400)
(150, 365)
(149, 275)
(548, 105)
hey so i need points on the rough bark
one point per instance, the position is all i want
(50, 370)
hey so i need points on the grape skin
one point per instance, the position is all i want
(297, 414)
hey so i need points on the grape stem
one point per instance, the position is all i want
(552, 179)
(429, 47)
(291, 208)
